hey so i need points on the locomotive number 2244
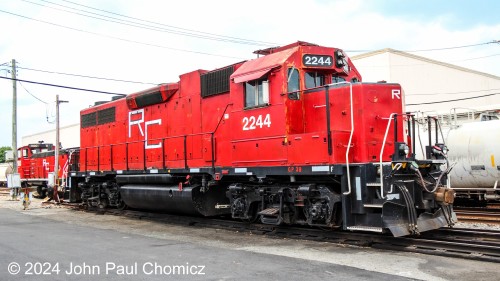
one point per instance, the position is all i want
(252, 122)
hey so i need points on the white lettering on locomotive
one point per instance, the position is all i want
(45, 164)
(136, 121)
(396, 93)
(151, 146)
(133, 119)
(252, 122)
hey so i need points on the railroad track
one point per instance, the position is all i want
(482, 245)
(490, 215)
(475, 244)
(493, 206)
(4, 191)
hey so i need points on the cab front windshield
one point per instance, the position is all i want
(312, 79)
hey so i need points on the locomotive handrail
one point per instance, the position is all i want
(382, 152)
(328, 129)
(393, 116)
(141, 141)
(163, 146)
(222, 117)
(64, 174)
(327, 105)
(212, 141)
(349, 143)
(156, 139)
(454, 116)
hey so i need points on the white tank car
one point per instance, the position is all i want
(5, 168)
(475, 148)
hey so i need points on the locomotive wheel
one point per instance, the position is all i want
(254, 210)
(49, 193)
(42, 193)
(122, 206)
(103, 204)
(38, 193)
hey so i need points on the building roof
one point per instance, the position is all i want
(52, 130)
(424, 59)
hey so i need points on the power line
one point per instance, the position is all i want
(450, 48)
(198, 36)
(494, 55)
(426, 63)
(119, 38)
(111, 93)
(239, 40)
(452, 93)
(156, 27)
(120, 21)
(86, 76)
(65, 87)
(453, 100)
(150, 83)
(434, 49)
(22, 85)
(46, 104)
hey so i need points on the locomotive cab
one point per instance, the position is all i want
(347, 157)
(25, 158)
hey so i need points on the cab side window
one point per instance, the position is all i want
(314, 79)
(337, 79)
(293, 84)
(256, 93)
(293, 80)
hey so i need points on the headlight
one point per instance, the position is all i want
(407, 149)
(445, 150)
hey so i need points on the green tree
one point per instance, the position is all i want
(2, 153)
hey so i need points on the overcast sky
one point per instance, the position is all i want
(149, 42)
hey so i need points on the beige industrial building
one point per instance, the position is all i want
(69, 136)
(431, 88)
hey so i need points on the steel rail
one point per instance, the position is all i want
(475, 244)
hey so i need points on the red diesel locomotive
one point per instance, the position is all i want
(36, 162)
(291, 137)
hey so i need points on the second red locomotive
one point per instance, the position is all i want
(36, 164)
(291, 137)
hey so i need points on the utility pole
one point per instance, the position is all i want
(14, 122)
(56, 156)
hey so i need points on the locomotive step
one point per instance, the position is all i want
(270, 212)
(372, 205)
(365, 228)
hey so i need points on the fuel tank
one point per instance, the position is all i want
(173, 199)
(475, 148)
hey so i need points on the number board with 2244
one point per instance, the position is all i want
(317, 60)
